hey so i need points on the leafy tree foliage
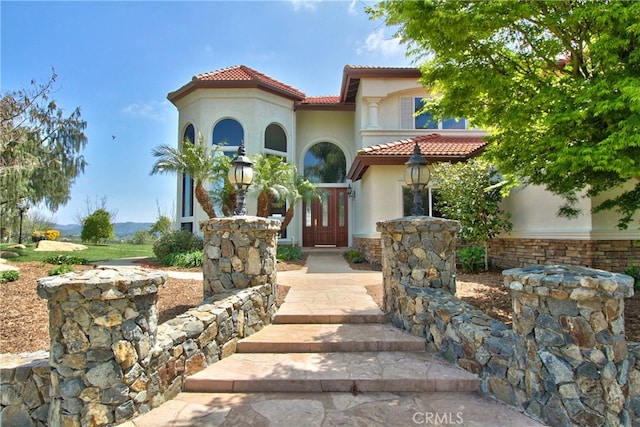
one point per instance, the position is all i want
(162, 226)
(557, 84)
(39, 148)
(202, 162)
(278, 182)
(470, 192)
(97, 227)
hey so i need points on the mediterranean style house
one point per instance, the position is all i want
(354, 147)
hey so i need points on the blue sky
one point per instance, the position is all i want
(118, 60)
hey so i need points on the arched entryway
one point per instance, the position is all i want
(325, 221)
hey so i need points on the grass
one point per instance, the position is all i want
(93, 254)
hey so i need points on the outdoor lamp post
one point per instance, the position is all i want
(241, 176)
(417, 177)
(22, 206)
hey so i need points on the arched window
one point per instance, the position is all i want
(275, 138)
(187, 181)
(325, 163)
(229, 133)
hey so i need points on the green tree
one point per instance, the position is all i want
(39, 148)
(273, 180)
(303, 190)
(202, 162)
(471, 192)
(557, 84)
(97, 227)
(162, 226)
(277, 182)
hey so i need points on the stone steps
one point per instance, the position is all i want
(331, 336)
(327, 338)
(389, 371)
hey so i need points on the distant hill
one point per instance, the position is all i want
(122, 229)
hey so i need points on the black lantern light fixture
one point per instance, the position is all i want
(416, 176)
(22, 206)
(351, 192)
(241, 176)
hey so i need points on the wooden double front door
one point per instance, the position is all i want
(326, 219)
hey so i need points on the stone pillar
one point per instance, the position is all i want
(102, 326)
(572, 321)
(239, 252)
(417, 251)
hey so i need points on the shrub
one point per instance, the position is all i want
(61, 269)
(142, 237)
(177, 241)
(634, 271)
(189, 259)
(288, 253)
(36, 236)
(52, 234)
(355, 256)
(471, 258)
(9, 276)
(66, 259)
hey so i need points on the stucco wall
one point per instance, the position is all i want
(254, 109)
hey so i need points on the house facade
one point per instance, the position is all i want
(353, 146)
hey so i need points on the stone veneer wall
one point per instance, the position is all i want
(184, 345)
(610, 255)
(370, 248)
(109, 360)
(239, 252)
(565, 362)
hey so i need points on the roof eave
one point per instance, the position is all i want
(362, 162)
(226, 84)
(351, 77)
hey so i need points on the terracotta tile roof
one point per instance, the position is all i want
(244, 73)
(321, 100)
(434, 147)
(238, 76)
(431, 145)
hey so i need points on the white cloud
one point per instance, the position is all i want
(378, 43)
(305, 4)
(154, 110)
(352, 7)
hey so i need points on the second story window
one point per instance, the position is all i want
(412, 117)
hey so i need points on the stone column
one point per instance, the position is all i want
(373, 113)
(417, 251)
(572, 321)
(102, 326)
(239, 252)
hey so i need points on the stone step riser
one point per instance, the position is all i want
(391, 371)
(330, 385)
(282, 319)
(327, 347)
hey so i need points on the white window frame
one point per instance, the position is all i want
(408, 116)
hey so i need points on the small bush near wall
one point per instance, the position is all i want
(471, 258)
(177, 241)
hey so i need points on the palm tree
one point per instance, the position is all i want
(304, 190)
(198, 160)
(273, 181)
(277, 181)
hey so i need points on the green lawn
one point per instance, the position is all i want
(94, 253)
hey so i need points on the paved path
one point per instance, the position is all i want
(331, 360)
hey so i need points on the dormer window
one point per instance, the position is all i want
(412, 118)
